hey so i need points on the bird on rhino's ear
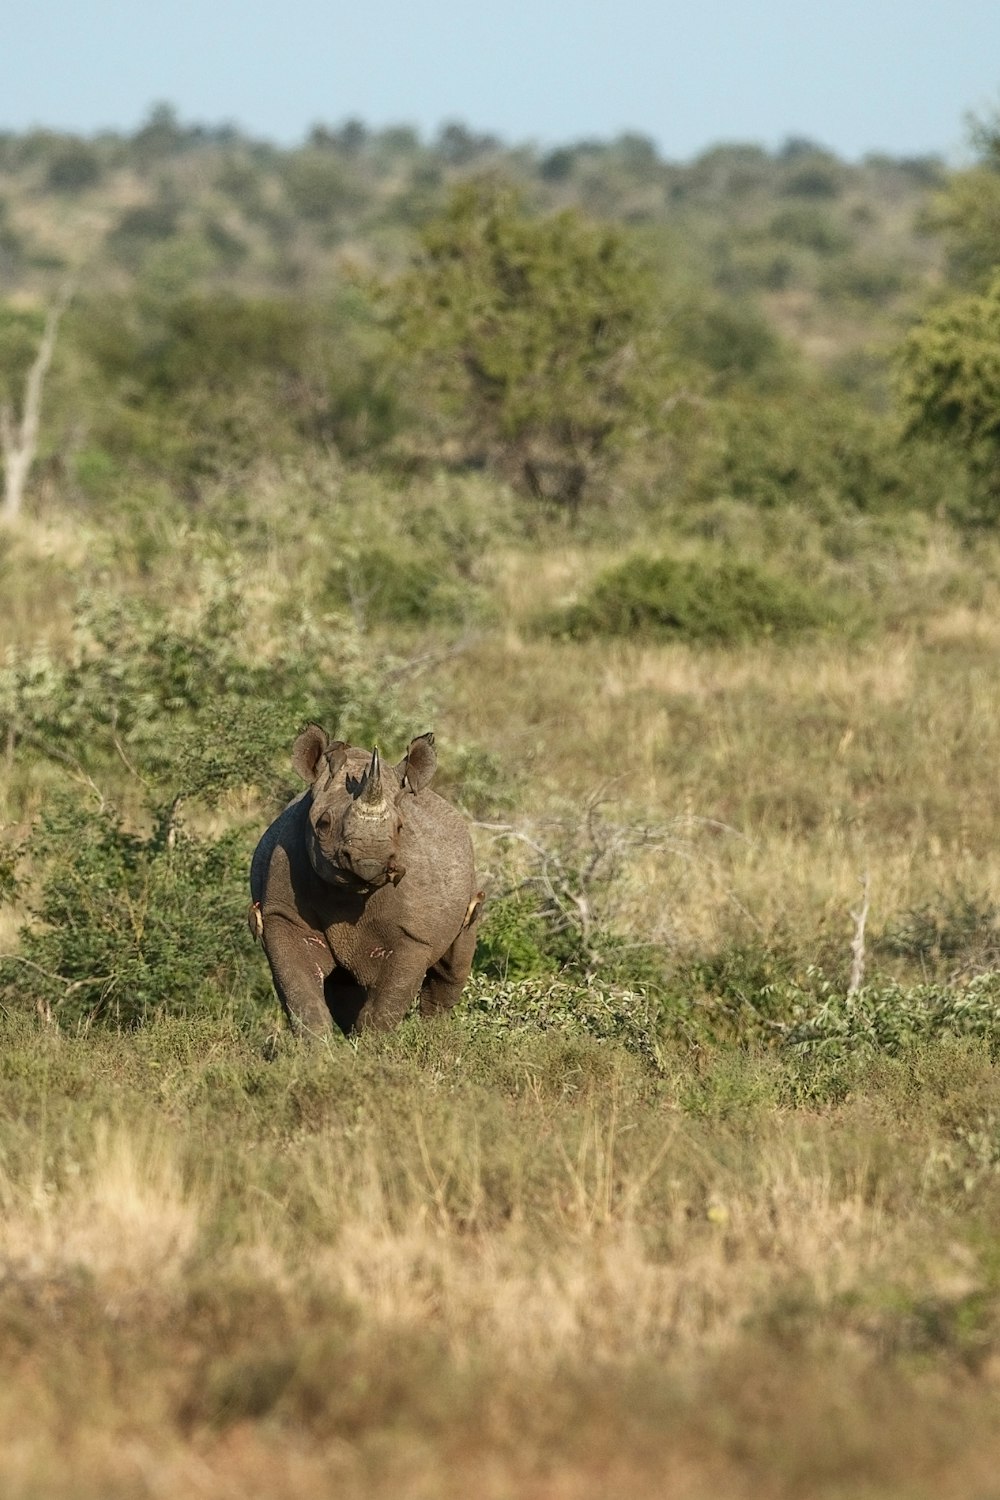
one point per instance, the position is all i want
(418, 765)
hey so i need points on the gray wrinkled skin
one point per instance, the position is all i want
(364, 890)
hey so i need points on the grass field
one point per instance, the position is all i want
(495, 1261)
(661, 1209)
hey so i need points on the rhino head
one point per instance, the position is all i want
(356, 810)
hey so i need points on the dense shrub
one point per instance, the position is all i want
(661, 597)
(818, 449)
(382, 585)
(810, 229)
(128, 925)
(140, 227)
(959, 933)
(73, 166)
(889, 1017)
(514, 940)
(611, 1013)
(949, 384)
(734, 341)
(185, 703)
(203, 385)
(318, 186)
(862, 279)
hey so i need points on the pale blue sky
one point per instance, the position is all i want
(856, 75)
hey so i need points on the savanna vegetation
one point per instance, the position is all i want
(666, 494)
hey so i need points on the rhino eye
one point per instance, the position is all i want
(324, 823)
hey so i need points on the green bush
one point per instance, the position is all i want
(734, 341)
(143, 226)
(810, 229)
(610, 1013)
(767, 997)
(818, 449)
(382, 585)
(207, 384)
(816, 179)
(889, 1017)
(661, 597)
(949, 385)
(514, 941)
(185, 702)
(862, 280)
(73, 166)
(127, 926)
(318, 186)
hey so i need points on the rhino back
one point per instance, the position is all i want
(436, 851)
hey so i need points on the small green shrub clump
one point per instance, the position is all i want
(514, 941)
(763, 999)
(889, 1018)
(661, 597)
(573, 1007)
(382, 586)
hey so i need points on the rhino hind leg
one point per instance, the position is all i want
(445, 980)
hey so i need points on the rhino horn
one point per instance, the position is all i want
(371, 792)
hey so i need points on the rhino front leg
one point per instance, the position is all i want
(300, 961)
(392, 994)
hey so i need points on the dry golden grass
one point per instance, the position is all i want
(341, 1309)
(781, 776)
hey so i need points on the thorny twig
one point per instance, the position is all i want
(17, 732)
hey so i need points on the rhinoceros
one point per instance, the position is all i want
(364, 890)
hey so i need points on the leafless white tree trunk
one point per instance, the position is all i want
(19, 437)
(860, 918)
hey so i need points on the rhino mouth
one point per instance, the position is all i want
(344, 877)
(392, 874)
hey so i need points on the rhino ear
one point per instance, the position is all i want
(416, 770)
(308, 750)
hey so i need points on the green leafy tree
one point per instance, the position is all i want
(950, 381)
(967, 211)
(536, 338)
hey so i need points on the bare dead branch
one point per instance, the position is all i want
(575, 863)
(860, 918)
(19, 439)
(120, 748)
(70, 986)
(414, 665)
